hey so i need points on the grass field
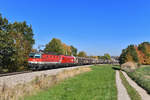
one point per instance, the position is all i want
(98, 84)
(134, 95)
(142, 77)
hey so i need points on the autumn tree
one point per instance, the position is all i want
(145, 52)
(82, 54)
(129, 54)
(73, 50)
(132, 52)
(145, 48)
(66, 49)
(55, 46)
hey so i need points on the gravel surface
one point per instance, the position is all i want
(27, 77)
(122, 93)
(140, 90)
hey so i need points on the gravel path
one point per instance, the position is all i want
(140, 90)
(122, 93)
(27, 77)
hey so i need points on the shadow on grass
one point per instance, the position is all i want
(116, 68)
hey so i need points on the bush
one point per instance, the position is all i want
(129, 66)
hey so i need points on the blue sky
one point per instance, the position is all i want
(94, 26)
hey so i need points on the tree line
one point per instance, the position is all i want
(138, 54)
(57, 47)
(16, 41)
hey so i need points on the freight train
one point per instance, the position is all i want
(39, 61)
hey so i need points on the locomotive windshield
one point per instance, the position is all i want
(34, 55)
(37, 56)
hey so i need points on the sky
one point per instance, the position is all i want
(93, 26)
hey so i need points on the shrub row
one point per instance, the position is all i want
(142, 77)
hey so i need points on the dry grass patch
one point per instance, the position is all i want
(42, 82)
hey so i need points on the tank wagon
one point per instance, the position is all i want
(39, 61)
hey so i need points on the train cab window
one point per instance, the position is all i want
(37, 56)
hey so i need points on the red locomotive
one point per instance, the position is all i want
(45, 61)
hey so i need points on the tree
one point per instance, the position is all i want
(129, 54)
(66, 49)
(73, 50)
(144, 52)
(7, 49)
(107, 56)
(23, 44)
(16, 41)
(132, 52)
(145, 48)
(122, 58)
(82, 54)
(54, 46)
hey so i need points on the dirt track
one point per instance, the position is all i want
(122, 93)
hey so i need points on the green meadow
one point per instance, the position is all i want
(98, 84)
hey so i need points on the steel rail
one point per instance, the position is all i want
(14, 73)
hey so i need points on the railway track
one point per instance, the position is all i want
(14, 73)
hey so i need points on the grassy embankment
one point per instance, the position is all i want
(42, 82)
(142, 77)
(134, 95)
(98, 84)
